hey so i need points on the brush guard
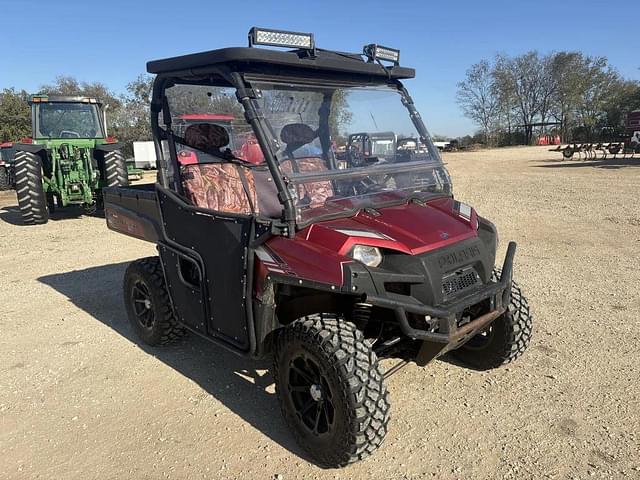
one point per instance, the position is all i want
(449, 335)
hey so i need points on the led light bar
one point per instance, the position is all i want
(279, 38)
(377, 52)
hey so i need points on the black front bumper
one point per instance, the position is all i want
(448, 332)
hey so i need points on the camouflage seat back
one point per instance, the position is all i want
(206, 136)
(219, 186)
(318, 192)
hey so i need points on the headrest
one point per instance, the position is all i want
(297, 134)
(205, 136)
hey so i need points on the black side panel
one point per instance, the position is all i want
(221, 242)
(183, 273)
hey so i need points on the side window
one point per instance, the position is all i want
(203, 116)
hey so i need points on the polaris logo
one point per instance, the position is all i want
(455, 258)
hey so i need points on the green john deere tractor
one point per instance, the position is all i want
(69, 160)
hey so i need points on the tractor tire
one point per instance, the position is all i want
(331, 390)
(115, 169)
(32, 199)
(147, 303)
(5, 181)
(506, 338)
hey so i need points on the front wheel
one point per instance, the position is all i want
(506, 338)
(331, 390)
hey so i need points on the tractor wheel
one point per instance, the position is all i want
(29, 189)
(5, 182)
(506, 338)
(115, 169)
(331, 390)
(147, 302)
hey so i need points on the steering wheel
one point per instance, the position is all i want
(69, 134)
(365, 185)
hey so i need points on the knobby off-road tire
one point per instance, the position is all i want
(147, 302)
(29, 189)
(507, 337)
(5, 183)
(115, 169)
(331, 390)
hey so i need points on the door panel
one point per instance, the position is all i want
(220, 242)
(184, 282)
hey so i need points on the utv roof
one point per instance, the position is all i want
(260, 60)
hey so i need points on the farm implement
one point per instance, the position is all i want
(626, 146)
(593, 151)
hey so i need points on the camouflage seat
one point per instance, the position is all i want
(295, 136)
(316, 192)
(216, 184)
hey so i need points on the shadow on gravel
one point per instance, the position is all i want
(233, 380)
(12, 215)
(610, 163)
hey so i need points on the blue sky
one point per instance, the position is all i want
(111, 41)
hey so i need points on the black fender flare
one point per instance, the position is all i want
(29, 147)
(109, 147)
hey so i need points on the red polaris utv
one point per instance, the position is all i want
(327, 266)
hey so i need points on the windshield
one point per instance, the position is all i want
(67, 120)
(346, 148)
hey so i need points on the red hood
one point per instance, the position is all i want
(410, 228)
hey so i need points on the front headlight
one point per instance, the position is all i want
(370, 256)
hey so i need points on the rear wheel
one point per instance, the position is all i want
(115, 169)
(29, 189)
(506, 338)
(147, 302)
(331, 390)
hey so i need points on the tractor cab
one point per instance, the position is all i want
(60, 117)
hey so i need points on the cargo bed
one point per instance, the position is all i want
(133, 210)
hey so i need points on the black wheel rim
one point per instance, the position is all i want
(143, 305)
(311, 396)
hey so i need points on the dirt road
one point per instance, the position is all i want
(81, 399)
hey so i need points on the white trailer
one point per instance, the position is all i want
(144, 155)
(441, 145)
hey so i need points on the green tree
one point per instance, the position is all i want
(65, 85)
(131, 122)
(15, 117)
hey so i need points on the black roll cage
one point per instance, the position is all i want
(226, 76)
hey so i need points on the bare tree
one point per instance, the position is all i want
(522, 77)
(478, 97)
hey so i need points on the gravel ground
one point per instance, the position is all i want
(80, 398)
